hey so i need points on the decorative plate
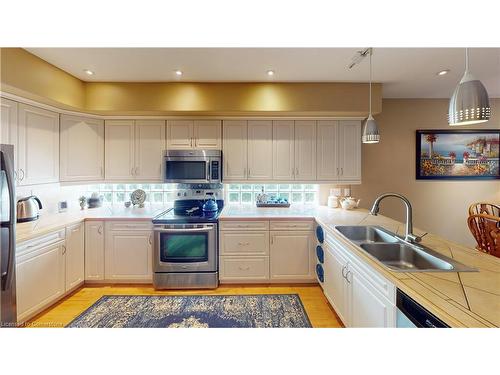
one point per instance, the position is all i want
(138, 197)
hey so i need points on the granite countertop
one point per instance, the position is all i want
(462, 299)
(50, 222)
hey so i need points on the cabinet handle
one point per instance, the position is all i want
(347, 277)
(243, 243)
(337, 171)
(99, 230)
(64, 249)
(272, 240)
(343, 269)
(15, 175)
(341, 171)
(248, 172)
(150, 239)
(244, 268)
(296, 171)
(132, 171)
(22, 175)
(136, 171)
(102, 171)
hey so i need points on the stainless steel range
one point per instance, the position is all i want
(186, 242)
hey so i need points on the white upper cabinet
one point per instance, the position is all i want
(197, 134)
(339, 151)
(119, 147)
(260, 150)
(8, 122)
(207, 134)
(305, 150)
(234, 150)
(327, 168)
(82, 149)
(349, 156)
(38, 146)
(283, 150)
(149, 147)
(180, 135)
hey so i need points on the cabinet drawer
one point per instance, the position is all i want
(244, 243)
(128, 225)
(292, 225)
(244, 268)
(244, 225)
(45, 240)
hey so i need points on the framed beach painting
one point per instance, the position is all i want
(457, 154)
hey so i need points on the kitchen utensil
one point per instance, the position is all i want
(210, 204)
(28, 209)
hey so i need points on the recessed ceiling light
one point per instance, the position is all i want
(89, 72)
(270, 73)
(178, 72)
(443, 72)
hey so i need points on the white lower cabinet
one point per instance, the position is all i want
(75, 256)
(292, 256)
(40, 274)
(244, 269)
(128, 252)
(94, 250)
(359, 295)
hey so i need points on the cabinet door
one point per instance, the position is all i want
(38, 148)
(149, 147)
(8, 122)
(234, 150)
(128, 255)
(335, 286)
(119, 147)
(180, 135)
(94, 250)
(207, 134)
(367, 307)
(8, 126)
(82, 149)
(305, 150)
(349, 147)
(292, 256)
(75, 256)
(327, 164)
(260, 150)
(39, 279)
(283, 150)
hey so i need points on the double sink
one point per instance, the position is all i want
(397, 254)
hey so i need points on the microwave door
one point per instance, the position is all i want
(186, 171)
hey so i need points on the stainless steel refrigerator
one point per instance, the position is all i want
(8, 315)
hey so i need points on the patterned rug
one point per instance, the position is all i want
(241, 311)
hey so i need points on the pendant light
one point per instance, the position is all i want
(370, 128)
(469, 103)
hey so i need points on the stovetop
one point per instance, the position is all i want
(189, 211)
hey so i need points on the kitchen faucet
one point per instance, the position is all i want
(409, 236)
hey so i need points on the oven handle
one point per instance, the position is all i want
(204, 229)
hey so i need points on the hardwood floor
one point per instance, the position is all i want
(318, 309)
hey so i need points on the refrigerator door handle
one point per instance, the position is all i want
(7, 278)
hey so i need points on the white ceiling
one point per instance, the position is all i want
(404, 72)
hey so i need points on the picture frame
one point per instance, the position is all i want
(449, 154)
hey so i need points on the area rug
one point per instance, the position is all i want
(241, 311)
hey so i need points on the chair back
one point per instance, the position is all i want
(484, 208)
(486, 231)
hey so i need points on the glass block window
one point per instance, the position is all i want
(295, 193)
(120, 193)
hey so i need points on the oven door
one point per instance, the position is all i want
(187, 170)
(185, 248)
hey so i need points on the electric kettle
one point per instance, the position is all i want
(28, 209)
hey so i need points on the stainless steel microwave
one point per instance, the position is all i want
(192, 166)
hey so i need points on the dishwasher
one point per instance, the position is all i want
(410, 314)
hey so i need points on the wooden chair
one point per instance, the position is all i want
(486, 231)
(484, 208)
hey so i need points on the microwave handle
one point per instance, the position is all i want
(209, 172)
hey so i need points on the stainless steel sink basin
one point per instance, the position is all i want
(397, 254)
(365, 233)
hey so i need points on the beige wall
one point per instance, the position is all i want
(439, 206)
(24, 74)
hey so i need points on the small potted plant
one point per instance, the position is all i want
(83, 201)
